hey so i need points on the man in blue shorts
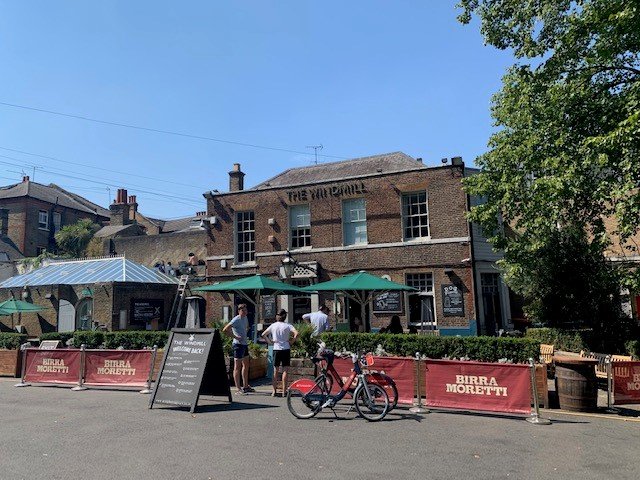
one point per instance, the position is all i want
(237, 328)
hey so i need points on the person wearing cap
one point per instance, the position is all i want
(279, 334)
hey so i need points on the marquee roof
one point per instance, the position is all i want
(82, 272)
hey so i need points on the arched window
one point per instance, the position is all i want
(84, 314)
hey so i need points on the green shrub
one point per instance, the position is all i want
(305, 345)
(88, 338)
(567, 340)
(62, 336)
(135, 339)
(12, 341)
(256, 350)
(633, 348)
(486, 349)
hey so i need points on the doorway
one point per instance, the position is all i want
(66, 317)
(354, 310)
(84, 314)
(491, 302)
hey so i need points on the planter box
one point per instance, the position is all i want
(10, 363)
(257, 368)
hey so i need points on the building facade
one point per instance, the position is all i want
(387, 214)
(31, 214)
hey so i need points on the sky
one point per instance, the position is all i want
(211, 84)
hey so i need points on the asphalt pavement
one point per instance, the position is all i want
(56, 433)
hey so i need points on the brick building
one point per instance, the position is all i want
(387, 214)
(32, 213)
(149, 240)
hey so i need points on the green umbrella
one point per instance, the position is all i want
(252, 289)
(361, 287)
(18, 306)
(12, 306)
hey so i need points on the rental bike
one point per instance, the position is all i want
(385, 381)
(306, 398)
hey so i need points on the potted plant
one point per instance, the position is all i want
(10, 354)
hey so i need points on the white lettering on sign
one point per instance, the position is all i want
(635, 383)
(306, 194)
(52, 365)
(116, 367)
(476, 385)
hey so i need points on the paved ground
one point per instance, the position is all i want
(54, 433)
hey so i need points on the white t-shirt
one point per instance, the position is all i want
(280, 332)
(319, 320)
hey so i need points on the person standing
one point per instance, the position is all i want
(237, 328)
(319, 320)
(278, 334)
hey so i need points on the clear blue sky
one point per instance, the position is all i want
(359, 77)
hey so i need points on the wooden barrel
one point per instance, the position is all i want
(577, 385)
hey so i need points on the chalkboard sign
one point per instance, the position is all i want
(452, 301)
(49, 344)
(389, 302)
(269, 307)
(144, 311)
(193, 365)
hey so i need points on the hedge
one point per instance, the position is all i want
(12, 341)
(633, 348)
(127, 339)
(486, 349)
(567, 340)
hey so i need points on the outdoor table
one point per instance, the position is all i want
(576, 383)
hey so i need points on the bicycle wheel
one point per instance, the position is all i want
(373, 409)
(306, 405)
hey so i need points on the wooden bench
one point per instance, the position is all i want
(601, 368)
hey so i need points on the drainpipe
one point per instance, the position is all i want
(473, 263)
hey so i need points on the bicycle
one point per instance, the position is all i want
(306, 398)
(382, 379)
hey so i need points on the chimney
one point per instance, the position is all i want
(419, 159)
(133, 205)
(457, 161)
(236, 179)
(201, 214)
(120, 209)
(25, 178)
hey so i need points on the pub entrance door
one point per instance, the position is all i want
(491, 302)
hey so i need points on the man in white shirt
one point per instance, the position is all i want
(319, 320)
(278, 334)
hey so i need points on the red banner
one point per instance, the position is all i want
(53, 366)
(400, 369)
(491, 387)
(117, 367)
(626, 382)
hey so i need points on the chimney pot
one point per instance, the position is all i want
(236, 167)
(132, 199)
(419, 159)
(25, 178)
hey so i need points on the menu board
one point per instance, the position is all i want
(144, 311)
(193, 364)
(388, 302)
(452, 301)
(269, 307)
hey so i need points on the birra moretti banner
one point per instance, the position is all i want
(53, 366)
(117, 367)
(400, 369)
(626, 382)
(491, 387)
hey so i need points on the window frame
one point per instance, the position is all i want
(300, 227)
(237, 232)
(56, 228)
(40, 222)
(344, 222)
(428, 291)
(405, 217)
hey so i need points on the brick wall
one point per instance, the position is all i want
(170, 247)
(447, 207)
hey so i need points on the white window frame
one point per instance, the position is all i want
(238, 231)
(43, 214)
(57, 225)
(405, 217)
(293, 225)
(346, 220)
(428, 291)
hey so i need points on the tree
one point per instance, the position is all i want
(73, 239)
(565, 155)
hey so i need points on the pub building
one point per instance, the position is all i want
(389, 215)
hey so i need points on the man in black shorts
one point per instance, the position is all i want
(278, 335)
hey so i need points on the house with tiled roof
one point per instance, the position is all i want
(32, 213)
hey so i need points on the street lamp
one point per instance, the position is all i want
(289, 265)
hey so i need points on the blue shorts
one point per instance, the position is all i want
(240, 351)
